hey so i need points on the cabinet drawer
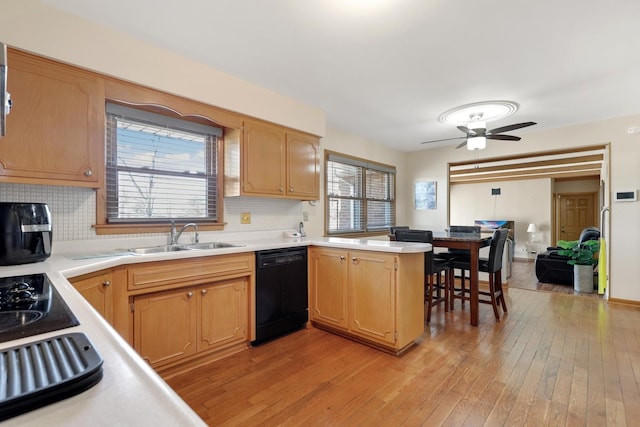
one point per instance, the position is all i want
(186, 272)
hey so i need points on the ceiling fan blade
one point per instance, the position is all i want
(511, 127)
(440, 140)
(504, 137)
(466, 130)
(461, 144)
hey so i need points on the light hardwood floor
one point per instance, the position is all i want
(555, 359)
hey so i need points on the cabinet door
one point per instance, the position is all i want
(263, 159)
(372, 295)
(303, 166)
(97, 290)
(223, 311)
(164, 326)
(329, 277)
(55, 131)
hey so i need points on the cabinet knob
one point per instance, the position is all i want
(342, 258)
(281, 189)
(354, 259)
(290, 188)
(189, 294)
(204, 291)
(88, 172)
(106, 283)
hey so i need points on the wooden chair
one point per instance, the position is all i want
(492, 266)
(392, 230)
(436, 286)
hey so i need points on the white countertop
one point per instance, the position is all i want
(130, 392)
(73, 262)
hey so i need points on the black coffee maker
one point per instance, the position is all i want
(25, 233)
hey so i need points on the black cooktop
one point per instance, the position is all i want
(31, 305)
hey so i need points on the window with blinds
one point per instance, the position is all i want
(159, 167)
(360, 195)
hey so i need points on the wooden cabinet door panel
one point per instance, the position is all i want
(98, 292)
(223, 313)
(165, 326)
(372, 292)
(303, 166)
(263, 158)
(329, 293)
(56, 129)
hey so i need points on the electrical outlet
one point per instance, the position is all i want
(245, 218)
(305, 216)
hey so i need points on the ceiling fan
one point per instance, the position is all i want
(477, 133)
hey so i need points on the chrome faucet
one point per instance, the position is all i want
(301, 230)
(175, 235)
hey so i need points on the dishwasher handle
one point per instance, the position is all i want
(273, 258)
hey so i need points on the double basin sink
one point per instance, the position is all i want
(175, 248)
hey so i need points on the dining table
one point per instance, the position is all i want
(473, 242)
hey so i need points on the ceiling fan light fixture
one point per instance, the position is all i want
(476, 143)
(478, 124)
(488, 111)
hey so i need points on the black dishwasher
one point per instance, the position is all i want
(281, 292)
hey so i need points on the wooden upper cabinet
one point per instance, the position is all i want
(272, 161)
(303, 166)
(263, 159)
(55, 132)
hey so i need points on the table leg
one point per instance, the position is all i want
(473, 282)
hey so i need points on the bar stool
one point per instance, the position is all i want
(436, 286)
(491, 265)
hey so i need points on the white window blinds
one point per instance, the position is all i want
(360, 195)
(159, 167)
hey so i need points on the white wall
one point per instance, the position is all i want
(524, 202)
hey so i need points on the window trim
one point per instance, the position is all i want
(366, 164)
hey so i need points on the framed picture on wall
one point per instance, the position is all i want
(426, 197)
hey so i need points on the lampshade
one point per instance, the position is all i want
(532, 228)
(476, 143)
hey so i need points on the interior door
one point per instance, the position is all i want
(574, 212)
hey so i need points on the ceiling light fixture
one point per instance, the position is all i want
(476, 143)
(487, 111)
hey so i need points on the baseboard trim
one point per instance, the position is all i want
(624, 301)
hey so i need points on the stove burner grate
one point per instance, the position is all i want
(30, 305)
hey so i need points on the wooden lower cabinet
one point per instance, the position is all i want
(329, 282)
(223, 314)
(164, 326)
(182, 323)
(97, 289)
(373, 297)
(372, 289)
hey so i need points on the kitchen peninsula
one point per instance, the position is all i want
(131, 392)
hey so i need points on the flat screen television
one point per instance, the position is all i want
(494, 224)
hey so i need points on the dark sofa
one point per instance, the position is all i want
(553, 268)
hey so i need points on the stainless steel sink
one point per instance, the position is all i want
(210, 245)
(158, 249)
(175, 248)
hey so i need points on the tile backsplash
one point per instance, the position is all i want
(73, 210)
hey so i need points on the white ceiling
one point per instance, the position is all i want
(386, 69)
